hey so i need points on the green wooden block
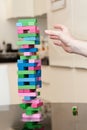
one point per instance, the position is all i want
(29, 24)
(27, 20)
(20, 76)
(27, 87)
(23, 106)
(27, 42)
(27, 72)
(28, 35)
(30, 110)
(32, 125)
(29, 57)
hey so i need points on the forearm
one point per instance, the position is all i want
(79, 47)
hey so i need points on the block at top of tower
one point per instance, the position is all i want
(26, 22)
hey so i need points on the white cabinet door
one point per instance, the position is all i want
(25, 8)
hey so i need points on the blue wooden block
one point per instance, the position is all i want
(26, 64)
(33, 83)
(23, 61)
(27, 79)
(20, 83)
(30, 83)
(38, 72)
(20, 61)
(34, 75)
(28, 50)
(31, 39)
(21, 68)
(27, 98)
(18, 24)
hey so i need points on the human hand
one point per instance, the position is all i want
(62, 36)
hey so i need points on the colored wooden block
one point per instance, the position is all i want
(32, 125)
(24, 35)
(34, 68)
(27, 20)
(29, 75)
(27, 79)
(35, 117)
(27, 72)
(35, 83)
(35, 105)
(27, 46)
(32, 83)
(28, 42)
(30, 110)
(34, 61)
(26, 64)
(18, 24)
(31, 120)
(28, 50)
(28, 29)
(34, 75)
(31, 94)
(27, 98)
(32, 101)
(28, 54)
(27, 87)
(31, 39)
(29, 57)
(25, 91)
(21, 76)
(23, 106)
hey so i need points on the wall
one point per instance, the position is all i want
(7, 28)
(67, 83)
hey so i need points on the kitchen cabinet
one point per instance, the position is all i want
(25, 8)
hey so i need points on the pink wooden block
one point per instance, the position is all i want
(27, 91)
(34, 68)
(19, 31)
(20, 91)
(29, 29)
(32, 101)
(27, 46)
(34, 61)
(34, 116)
(31, 120)
(28, 53)
(35, 105)
(34, 94)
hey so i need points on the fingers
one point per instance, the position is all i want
(54, 37)
(57, 43)
(51, 32)
(60, 27)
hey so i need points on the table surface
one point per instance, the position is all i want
(10, 118)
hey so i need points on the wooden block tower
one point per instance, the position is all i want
(29, 73)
